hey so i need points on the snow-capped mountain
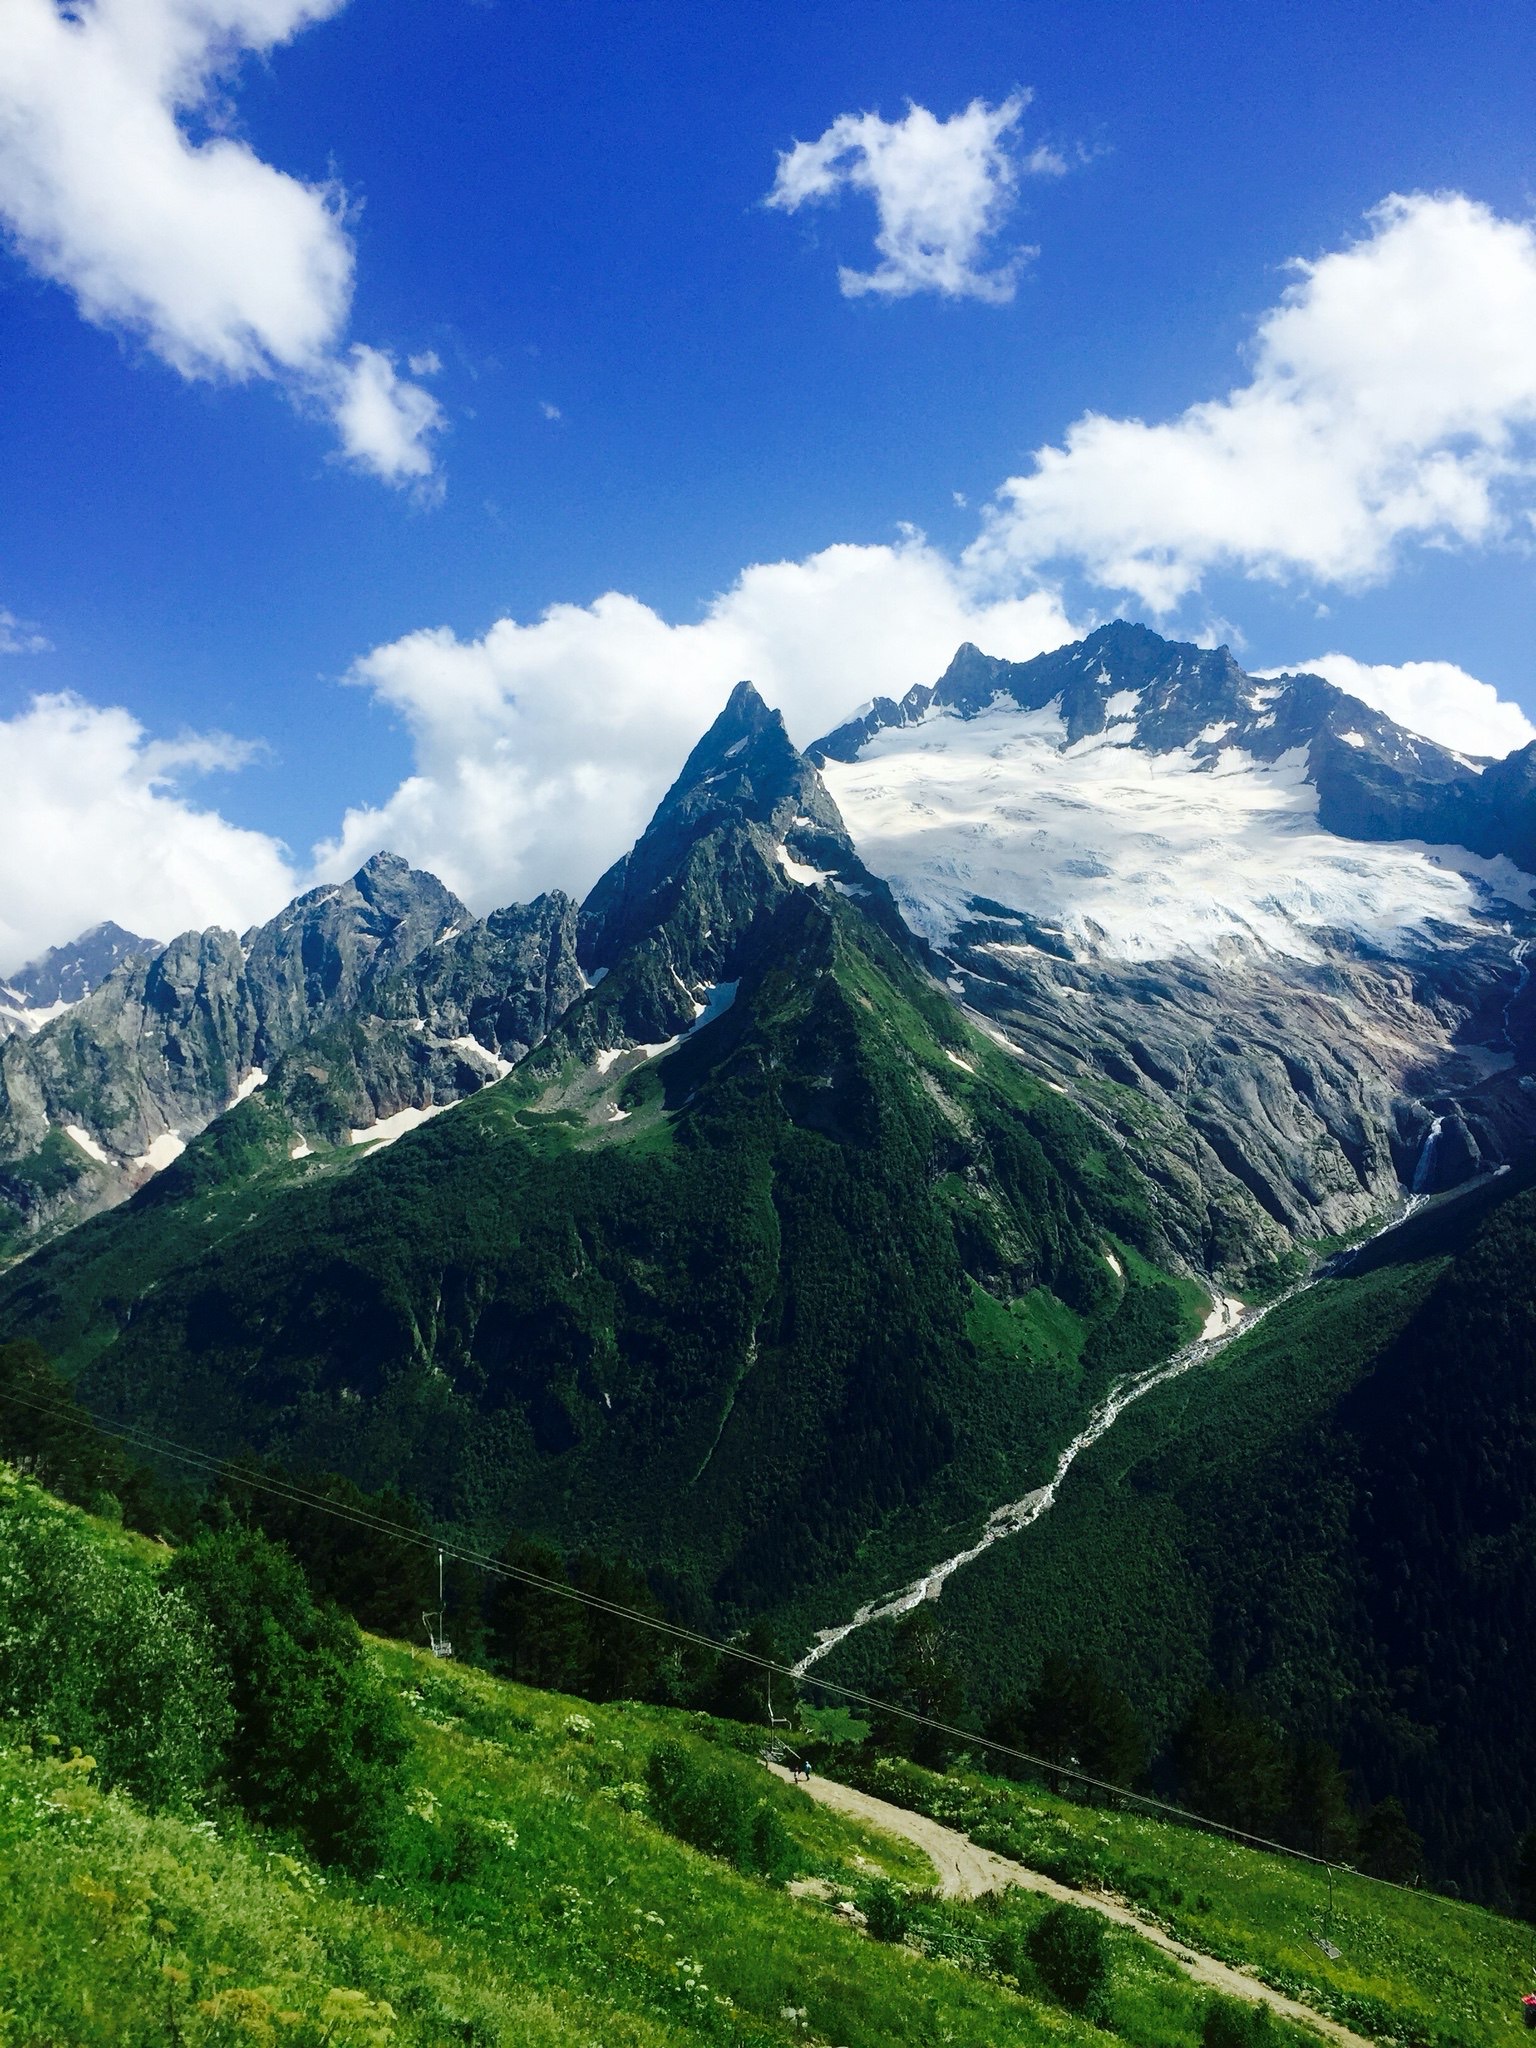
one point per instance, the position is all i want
(1272, 941)
(1256, 903)
(47, 986)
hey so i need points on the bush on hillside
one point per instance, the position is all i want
(98, 1653)
(714, 1804)
(885, 1911)
(1068, 1950)
(1234, 2023)
(318, 1743)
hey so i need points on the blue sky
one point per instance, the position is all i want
(650, 380)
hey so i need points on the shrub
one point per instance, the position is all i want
(1234, 2023)
(712, 1803)
(318, 1743)
(98, 1652)
(885, 1909)
(1067, 1948)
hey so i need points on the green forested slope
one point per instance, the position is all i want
(754, 1311)
(1335, 1520)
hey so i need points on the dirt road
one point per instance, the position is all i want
(965, 1871)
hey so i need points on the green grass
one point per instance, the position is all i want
(533, 1902)
(1413, 1965)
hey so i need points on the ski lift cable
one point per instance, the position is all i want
(299, 1496)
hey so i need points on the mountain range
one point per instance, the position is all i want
(886, 1109)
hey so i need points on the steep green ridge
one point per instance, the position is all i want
(754, 1311)
(1335, 1519)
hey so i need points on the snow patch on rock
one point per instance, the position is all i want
(799, 871)
(87, 1144)
(389, 1128)
(1226, 1313)
(160, 1152)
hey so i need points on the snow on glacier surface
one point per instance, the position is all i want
(1131, 854)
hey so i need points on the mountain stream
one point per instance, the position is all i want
(1225, 1323)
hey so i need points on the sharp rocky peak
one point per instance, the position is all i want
(65, 974)
(747, 822)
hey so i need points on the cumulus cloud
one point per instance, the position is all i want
(1392, 399)
(542, 749)
(1435, 698)
(942, 190)
(95, 825)
(20, 636)
(223, 265)
(384, 422)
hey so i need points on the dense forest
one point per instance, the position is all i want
(1334, 1527)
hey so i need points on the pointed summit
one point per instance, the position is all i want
(744, 762)
(747, 821)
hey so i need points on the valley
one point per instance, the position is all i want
(867, 1186)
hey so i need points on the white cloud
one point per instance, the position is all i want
(94, 825)
(942, 190)
(1392, 398)
(1435, 698)
(384, 423)
(542, 749)
(428, 364)
(20, 636)
(223, 265)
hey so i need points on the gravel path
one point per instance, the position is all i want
(966, 1871)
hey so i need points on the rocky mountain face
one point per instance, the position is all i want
(358, 1001)
(1229, 911)
(64, 974)
(746, 823)
(1229, 914)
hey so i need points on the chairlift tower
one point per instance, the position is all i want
(437, 1640)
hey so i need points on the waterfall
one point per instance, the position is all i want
(1426, 1159)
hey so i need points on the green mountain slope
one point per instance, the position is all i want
(546, 1873)
(1335, 1519)
(753, 1309)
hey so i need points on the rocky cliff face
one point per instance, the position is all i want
(361, 999)
(746, 823)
